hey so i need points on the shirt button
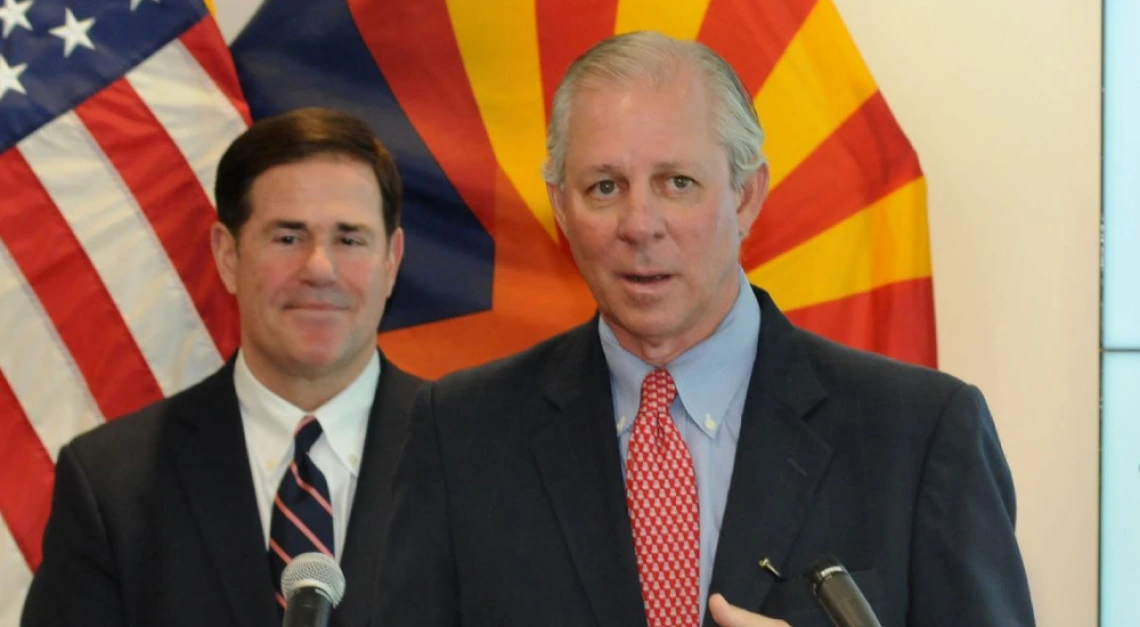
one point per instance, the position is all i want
(270, 466)
(354, 460)
(709, 422)
(621, 424)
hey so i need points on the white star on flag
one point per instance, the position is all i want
(73, 32)
(10, 77)
(13, 14)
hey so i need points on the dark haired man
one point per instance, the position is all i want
(186, 512)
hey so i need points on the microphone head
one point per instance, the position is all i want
(826, 568)
(315, 570)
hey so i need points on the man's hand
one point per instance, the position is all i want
(728, 615)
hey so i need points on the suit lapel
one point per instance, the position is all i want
(778, 467)
(578, 459)
(779, 463)
(213, 466)
(387, 427)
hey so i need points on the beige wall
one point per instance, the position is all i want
(1002, 102)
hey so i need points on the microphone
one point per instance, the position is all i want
(840, 597)
(312, 585)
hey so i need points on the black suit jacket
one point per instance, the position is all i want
(510, 507)
(154, 520)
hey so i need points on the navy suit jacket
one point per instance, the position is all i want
(510, 508)
(154, 521)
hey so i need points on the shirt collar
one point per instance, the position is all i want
(729, 353)
(272, 419)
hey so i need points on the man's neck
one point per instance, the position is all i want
(660, 351)
(307, 391)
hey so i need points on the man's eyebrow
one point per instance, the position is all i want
(292, 225)
(352, 227)
(677, 165)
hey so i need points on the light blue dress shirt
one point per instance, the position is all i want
(712, 382)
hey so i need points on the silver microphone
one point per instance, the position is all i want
(312, 585)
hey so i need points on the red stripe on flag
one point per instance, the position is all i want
(26, 478)
(752, 35)
(896, 320)
(412, 41)
(169, 194)
(205, 43)
(566, 29)
(865, 159)
(71, 292)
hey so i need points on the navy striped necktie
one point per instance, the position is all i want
(302, 519)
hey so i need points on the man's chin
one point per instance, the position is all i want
(317, 362)
(643, 326)
(326, 358)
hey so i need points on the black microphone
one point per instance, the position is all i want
(839, 596)
(312, 585)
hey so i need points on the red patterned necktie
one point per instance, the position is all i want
(661, 493)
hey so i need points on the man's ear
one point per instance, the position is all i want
(224, 246)
(395, 256)
(557, 196)
(750, 199)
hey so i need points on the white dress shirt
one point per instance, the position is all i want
(269, 420)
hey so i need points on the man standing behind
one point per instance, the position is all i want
(673, 454)
(186, 512)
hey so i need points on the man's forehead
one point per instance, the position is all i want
(621, 108)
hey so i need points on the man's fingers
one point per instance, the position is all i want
(728, 615)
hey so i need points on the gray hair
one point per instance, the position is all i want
(624, 59)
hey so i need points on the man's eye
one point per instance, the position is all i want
(681, 182)
(287, 239)
(604, 188)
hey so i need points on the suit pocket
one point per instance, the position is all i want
(794, 601)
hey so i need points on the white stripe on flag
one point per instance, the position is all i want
(118, 239)
(38, 368)
(197, 115)
(15, 577)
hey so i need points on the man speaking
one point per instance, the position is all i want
(661, 463)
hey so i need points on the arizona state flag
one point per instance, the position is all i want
(460, 91)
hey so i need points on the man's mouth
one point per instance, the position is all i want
(313, 306)
(645, 278)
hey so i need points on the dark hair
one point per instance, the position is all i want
(296, 136)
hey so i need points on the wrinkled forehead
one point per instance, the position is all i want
(672, 120)
(605, 100)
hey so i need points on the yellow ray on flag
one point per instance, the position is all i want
(882, 244)
(677, 18)
(819, 81)
(500, 56)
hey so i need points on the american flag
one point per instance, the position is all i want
(113, 115)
